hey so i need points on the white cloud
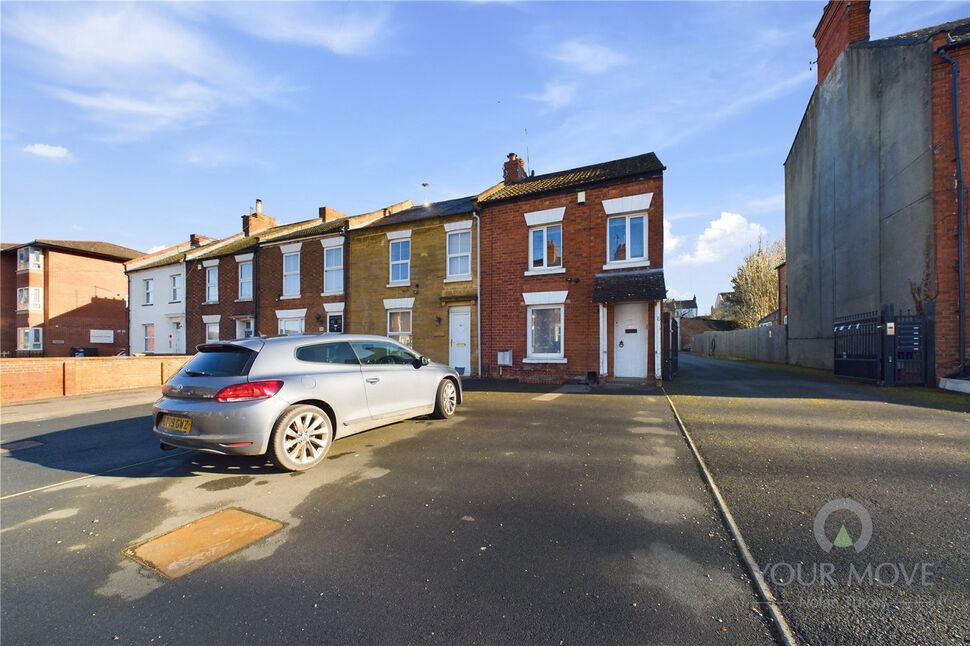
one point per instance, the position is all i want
(671, 242)
(47, 151)
(727, 234)
(135, 69)
(342, 31)
(587, 56)
(556, 95)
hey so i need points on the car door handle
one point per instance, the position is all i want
(373, 380)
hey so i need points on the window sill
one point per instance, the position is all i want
(289, 298)
(210, 302)
(174, 302)
(331, 293)
(147, 304)
(535, 360)
(458, 279)
(400, 284)
(626, 264)
(244, 300)
(543, 272)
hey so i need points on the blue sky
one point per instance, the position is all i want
(142, 123)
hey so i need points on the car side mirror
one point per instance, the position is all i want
(425, 361)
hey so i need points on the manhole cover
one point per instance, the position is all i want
(201, 542)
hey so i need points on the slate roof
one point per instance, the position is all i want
(318, 230)
(9, 245)
(683, 305)
(959, 31)
(91, 247)
(631, 167)
(446, 208)
(617, 287)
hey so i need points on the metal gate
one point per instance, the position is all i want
(858, 346)
(884, 347)
(670, 346)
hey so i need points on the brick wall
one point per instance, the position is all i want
(945, 202)
(8, 302)
(782, 293)
(505, 254)
(229, 307)
(843, 22)
(30, 379)
(311, 298)
(370, 274)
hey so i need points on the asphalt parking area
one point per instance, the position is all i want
(551, 517)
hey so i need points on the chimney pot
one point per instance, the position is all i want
(259, 207)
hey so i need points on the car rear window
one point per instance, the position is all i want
(328, 353)
(219, 361)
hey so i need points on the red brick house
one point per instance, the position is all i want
(875, 186)
(572, 281)
(61, 296)
(272, 279)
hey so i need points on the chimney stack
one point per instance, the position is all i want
(514, 169)
(194, 240)
(253, 223)
(329, 214)
(843, 22)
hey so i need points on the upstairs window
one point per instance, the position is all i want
(175, 288)
(211, 284)
(626, 238)
(30, 298)
(459, 251)
(291, 274)
(246, 281)
(546, 247)
(149, 291)
(400, 261)
(29, 258)
(333, 270)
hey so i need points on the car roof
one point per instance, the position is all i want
(258, 342)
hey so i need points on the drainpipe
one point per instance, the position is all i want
(478, 291)
(961, 297)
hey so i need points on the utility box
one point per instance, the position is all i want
(504, 358)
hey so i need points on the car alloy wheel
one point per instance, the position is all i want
(306, 438)
(449, 397)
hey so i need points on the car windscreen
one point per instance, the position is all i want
(219, 361)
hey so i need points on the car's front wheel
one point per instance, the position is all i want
(447, 399)
(301, 438)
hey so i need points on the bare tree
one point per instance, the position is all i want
(756, 284)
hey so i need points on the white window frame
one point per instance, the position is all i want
(212, 284)
(29, 258)
(208, 332)
(545, 268)
(449, 255)
(146, 337)
(334, 315)
(333, 271)
(396, 336)
(281, 324)
(245, 281)
(33, 299)
(626, 232)
(545, 357)
(629, 206)
(175, 288)
(391, 262)
(244, 324)
(291, 273)
(30, 338)
(149, 291)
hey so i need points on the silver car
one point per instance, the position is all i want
(291, 396)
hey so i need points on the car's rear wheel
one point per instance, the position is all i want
(301, 438)
(447, 400)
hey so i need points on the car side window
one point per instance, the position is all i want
(379, 353)
(328, 353)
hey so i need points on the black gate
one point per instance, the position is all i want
(670, 346)
(884, 347)
(858, 346)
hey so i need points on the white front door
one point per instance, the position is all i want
(176, 336)
(459, 336)
(630, 339)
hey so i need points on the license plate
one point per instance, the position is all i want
(177, 424)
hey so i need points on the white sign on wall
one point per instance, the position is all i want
(102, 336)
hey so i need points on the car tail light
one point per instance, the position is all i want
(249, 391)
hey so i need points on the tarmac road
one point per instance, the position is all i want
(538, 517)
(782, 441)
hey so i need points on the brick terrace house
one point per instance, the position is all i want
(271, 279)
(62, 295)
(156, 299)
(419, 282)
(875, 194)
(574, 283)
